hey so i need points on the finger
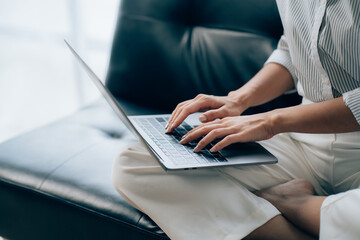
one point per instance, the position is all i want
(191, 132)
(230, 139)
(204, 100)
(180, 116)
(198, 132)
(217, 124)
(184, 112)
(175, 112)
(211, 136)
(214, 114)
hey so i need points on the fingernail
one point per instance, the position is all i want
(196, 149)
(184, 136)
(167, 125)
(169, 129)
(202, 118)
(212, 149)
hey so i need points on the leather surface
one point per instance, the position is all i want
(55, 181)
(26, 214)
(172, 50)
(70, 161)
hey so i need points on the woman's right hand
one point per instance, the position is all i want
(215, 106)
(270, 82)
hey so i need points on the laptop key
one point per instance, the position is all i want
(186, 126)
(210, 158)
(159, 119)
(181, 131)
(169, 143)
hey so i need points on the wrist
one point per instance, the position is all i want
(277, 121)
(242, 98)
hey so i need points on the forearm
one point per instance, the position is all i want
(270, 82)
(331, 116)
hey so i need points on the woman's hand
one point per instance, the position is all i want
(267, 84)
(220, 107)
(331, 116)
(232, 129)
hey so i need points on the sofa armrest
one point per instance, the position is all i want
(55, 181)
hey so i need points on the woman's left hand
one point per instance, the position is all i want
(232, 129)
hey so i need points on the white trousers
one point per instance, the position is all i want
(217, 203)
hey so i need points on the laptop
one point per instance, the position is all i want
(150, 130)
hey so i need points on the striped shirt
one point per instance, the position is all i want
(320, 48)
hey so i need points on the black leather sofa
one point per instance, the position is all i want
(55, 181)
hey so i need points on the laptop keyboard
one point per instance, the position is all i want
(169, 143)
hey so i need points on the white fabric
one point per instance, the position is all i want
(217, 203)
(320, 48)
(340, 216)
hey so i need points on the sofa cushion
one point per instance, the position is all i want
(165, 52)
(55, 181)
(68, 162)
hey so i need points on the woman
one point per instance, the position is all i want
(313, 190)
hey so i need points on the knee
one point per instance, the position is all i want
(131, 167)
(120, 175)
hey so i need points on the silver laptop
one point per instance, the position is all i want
(150, 130)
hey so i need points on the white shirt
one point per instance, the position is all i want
(320, 47)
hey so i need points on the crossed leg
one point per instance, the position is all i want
(220, 204)
(218, 200)
(300, 210)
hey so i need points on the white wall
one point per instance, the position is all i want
(39, 79)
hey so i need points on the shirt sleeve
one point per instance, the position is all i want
(281, 55)
(352, 101)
